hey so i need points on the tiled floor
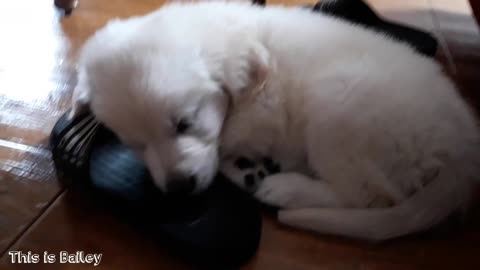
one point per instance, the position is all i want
(37, 53)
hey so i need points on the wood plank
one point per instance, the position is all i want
(37, 75)
(34, 80)
(74, 223)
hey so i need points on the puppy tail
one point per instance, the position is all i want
(429, 206)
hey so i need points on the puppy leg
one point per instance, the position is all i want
(351, 164)
(293, 190)
(81, 96)
(429, 206)
(359, 182)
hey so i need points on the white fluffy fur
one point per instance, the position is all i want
(374, 140)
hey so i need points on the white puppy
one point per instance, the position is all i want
(373, 140)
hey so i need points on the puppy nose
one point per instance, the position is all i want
(181, 185)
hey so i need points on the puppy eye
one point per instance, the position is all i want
(182, 126)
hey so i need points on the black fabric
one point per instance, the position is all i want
(357, 11)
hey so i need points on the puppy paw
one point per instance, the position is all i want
(285, 190)
(249, 173)
(294, 190)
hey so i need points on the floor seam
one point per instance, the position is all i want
(33, 222)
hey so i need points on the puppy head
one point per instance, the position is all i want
(164, 99)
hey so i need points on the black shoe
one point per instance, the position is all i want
(217, 229)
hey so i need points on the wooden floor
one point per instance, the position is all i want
(37, 51)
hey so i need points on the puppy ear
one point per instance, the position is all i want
(246, 74)
(81, 96)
